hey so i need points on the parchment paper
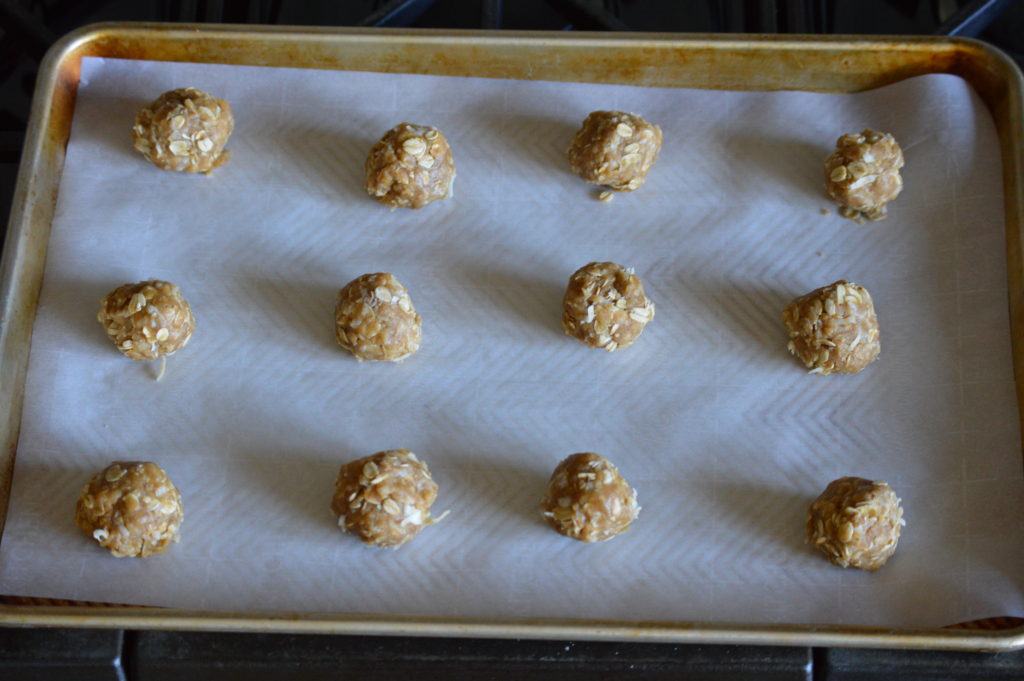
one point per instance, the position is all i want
(724, 435)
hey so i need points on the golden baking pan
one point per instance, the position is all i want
(834, 64)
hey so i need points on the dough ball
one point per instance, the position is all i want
(410, 167)
(384, 499)
(184, 130)
(588, 499)
(605, 306)
(375, 319)
(863, 174)
(615, 149)
(130, 508)
(856, 523)
(833, 329)
(148, 320)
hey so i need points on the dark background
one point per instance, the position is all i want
(29, 27)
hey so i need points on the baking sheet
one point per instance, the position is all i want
(724, 436)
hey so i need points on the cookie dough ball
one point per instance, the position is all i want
(184, 130)
(833, 329)
(130, 508)
(605, 306)
(615, 149)
(863, 174)
(148, 320)
(375, 319)
(384, 499)
(410, 167)
(588, 499)
(856, 523)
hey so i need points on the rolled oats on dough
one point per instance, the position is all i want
(130, 508)
(588, 499)
(384, 499)
(615, 149)
(856, 523)
(147, 320)
(833, 329)
(375, 319)
(184, 130)
(863, 174)
(410, 167)
(605, 306)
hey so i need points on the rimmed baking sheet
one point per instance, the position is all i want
(724, 436)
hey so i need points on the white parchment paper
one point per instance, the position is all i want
(724, 435)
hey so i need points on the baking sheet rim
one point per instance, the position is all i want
(38, 180)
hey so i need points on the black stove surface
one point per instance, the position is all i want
(28, 27)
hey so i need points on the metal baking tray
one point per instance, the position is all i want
(836, 64)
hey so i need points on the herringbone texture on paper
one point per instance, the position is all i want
(724, 435)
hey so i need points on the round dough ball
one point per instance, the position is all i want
(605, 306)
(375, 319)
(410, 167)
(856, 523)
(384, 499)
(588, 499)
(147, 320)
(184, 130)
(863, 174)
(833, 329)
(615, 149)
(131, 508)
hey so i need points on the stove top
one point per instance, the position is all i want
(29, 27)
